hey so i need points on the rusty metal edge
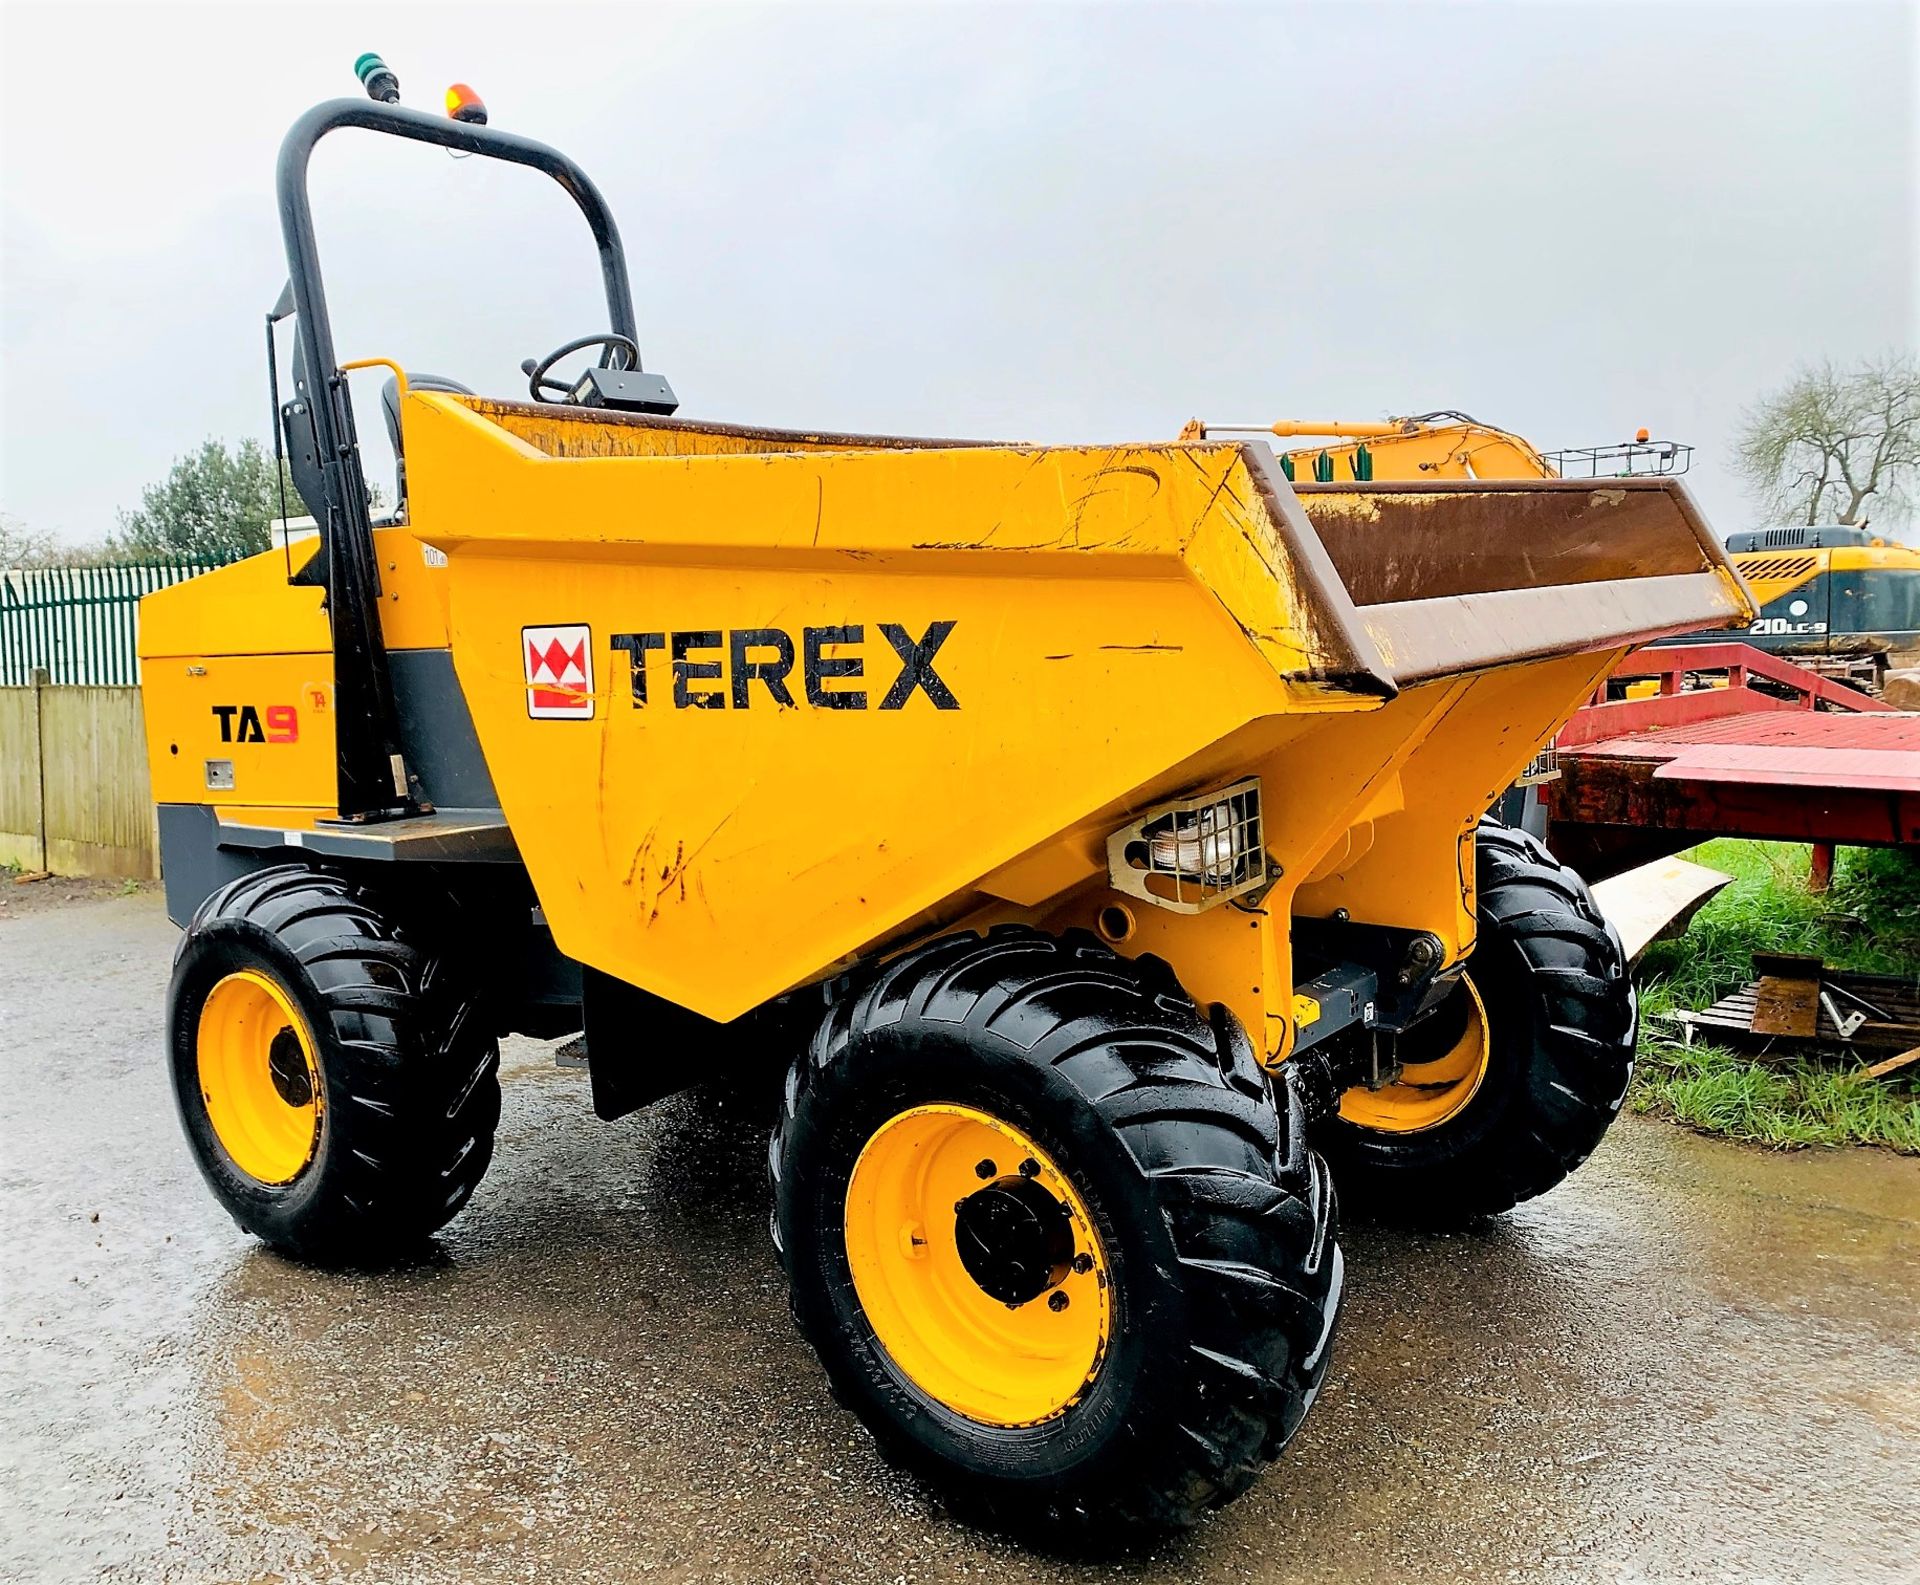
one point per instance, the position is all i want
(1708, 541)
(1399, 628)
(816, 437)
(1359, 668)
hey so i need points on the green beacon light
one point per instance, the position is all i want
(377, 78)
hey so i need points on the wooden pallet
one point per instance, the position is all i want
(1891, 1028)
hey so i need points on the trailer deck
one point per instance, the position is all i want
(1704, 740)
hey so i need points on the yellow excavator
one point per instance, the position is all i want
(1834, 597)
(1447, 445)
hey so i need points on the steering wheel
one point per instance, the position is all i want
(538, 381)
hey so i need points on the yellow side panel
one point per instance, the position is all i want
(268, 717)
(245, 609)
(720, 854)
(1874, 558)
(1461, 742)
(1772, 573)
(249, 608)
(237, 669)
(938, 712)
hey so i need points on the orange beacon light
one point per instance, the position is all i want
(463, 104)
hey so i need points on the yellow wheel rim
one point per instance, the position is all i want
(934, 1179)
(1428, 1092)
(259, 1078)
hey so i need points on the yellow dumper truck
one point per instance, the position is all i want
(1092, 833)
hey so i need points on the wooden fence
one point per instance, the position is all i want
(74, 794)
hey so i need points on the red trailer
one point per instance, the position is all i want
(1720, 739)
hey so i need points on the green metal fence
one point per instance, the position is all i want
(79, 624)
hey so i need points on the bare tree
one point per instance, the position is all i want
(21, 546)
(1834, 443)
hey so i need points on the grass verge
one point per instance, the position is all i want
(1870, 920)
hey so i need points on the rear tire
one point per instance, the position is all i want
(401, 1091)
(1561, 1020)
(1213, 1223)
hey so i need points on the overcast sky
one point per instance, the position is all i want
(1053, 223)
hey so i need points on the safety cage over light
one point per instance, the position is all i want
(1193, 854)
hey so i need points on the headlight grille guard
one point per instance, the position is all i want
(1192, 854)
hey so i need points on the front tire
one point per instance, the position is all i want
(1140, 1318)
(1556, 1055)
(337, 1081)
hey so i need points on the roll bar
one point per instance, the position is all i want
(372, 777)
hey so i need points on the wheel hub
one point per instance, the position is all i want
(259, 1077)
(1442, 1061)
(287, 1067)
(986, 1288)
(1014, 1238)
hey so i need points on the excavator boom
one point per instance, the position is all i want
(1432, 446)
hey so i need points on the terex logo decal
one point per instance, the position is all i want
(241, 723)
(715, 670)
(559, 672)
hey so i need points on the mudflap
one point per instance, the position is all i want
(641, 1048)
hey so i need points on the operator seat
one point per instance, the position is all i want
(390, 410)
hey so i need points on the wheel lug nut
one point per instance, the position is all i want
(985, 1169)
(1029, 1168)
(1082, 1263)
(1056, 1301)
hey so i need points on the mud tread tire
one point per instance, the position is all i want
(1562, 1022)
(410, 1065)
(1219, 1221)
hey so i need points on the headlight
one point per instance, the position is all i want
(1197, 847)
(1190, 855)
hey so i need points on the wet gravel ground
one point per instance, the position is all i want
(1691, 1362)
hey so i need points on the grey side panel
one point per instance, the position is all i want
(194, 862)
(436, 730)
